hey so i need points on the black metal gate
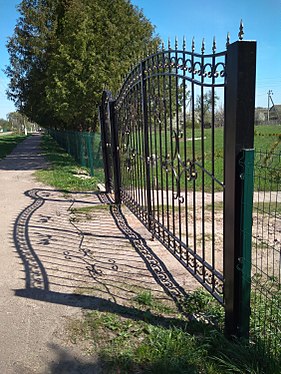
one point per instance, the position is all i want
(172, 143)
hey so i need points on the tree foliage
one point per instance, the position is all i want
(64, 52)
(19, 123)
(4, 125)
(204, 105)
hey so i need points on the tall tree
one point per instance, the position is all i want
(64, 52)
(29, 50)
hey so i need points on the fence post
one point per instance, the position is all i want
(82, 143)
(115, 150)
(146, 143)
(239, 134)
(105, 140)
(90, 151)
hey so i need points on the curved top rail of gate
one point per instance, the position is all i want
(207, 70)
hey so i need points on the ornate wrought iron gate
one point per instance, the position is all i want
(173, 140)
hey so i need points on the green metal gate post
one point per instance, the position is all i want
(245, 262)
(239, 135)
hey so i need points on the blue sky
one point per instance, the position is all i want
(205, 19)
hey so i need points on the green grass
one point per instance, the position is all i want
(267, 139)
(64, 173)
(266, 314)
(89, 209)
(145, 299)
(144, 341)
(86, 213)
(8, 143)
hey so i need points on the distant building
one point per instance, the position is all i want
(262, 115)
(275, 113)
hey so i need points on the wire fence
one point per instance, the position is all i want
(84, 147)
(265, 326)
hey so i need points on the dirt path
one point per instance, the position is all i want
(55, 262)
(26, 325)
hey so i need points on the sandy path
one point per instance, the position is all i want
(27, 344)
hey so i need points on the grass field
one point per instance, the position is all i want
(64, 173)
(267, 143)
(267, 140)
(8, 143)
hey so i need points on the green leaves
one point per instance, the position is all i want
(64, 52)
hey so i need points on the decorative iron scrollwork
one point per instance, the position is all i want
(179, 65)
(191, 170)
(179, 167)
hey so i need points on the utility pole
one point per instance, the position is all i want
(268, 103)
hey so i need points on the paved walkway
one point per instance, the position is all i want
(56, 261)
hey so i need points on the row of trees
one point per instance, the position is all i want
(64, 52)
(17, 122)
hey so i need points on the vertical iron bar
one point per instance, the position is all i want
(115, 150)
(213, 171)
(185, 156)
(193, 159)
(156, 134)
(139, 148)
(171, 146)
(141, 145)
(161, 99)
(239, 134)
(146, 142)
(203, 162)
(135, 147)
(166, 148)
(150, 102)
(105, 144)
(178, 179)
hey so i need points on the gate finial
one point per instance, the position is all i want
(227, 39)
(214, 44)
(241, 31)
(176, 42)
(184, 43)
(203, 46)
(193, 45)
